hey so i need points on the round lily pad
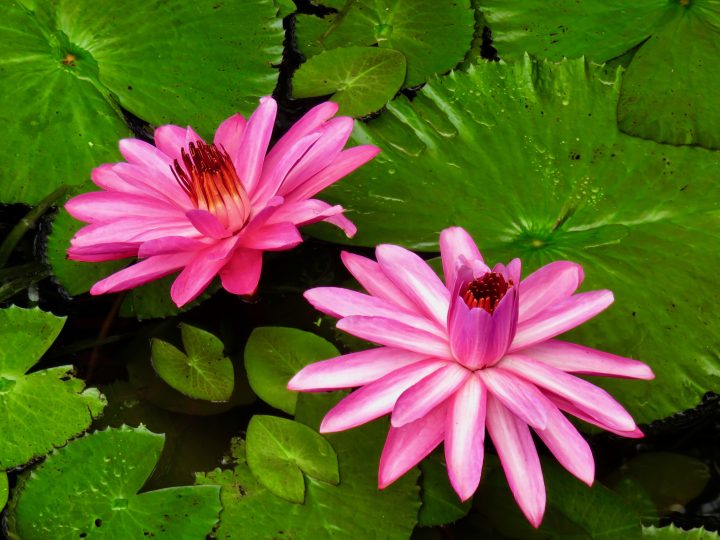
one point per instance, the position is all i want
(527, 157)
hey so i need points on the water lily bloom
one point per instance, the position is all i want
(213, 208)
(477, 352)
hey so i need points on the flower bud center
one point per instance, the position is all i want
(208, 176)
(486, 292)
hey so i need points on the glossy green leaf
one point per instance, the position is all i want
(669, 92)
(165, 61)
(361, 79)
(273, 355)
(45, 408)
(440, 504)
(353, 509)
(433, 35)
(671, 532)
(279, 451)
(93, 484)
(527, 156)
(201, 372)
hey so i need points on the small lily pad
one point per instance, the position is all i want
(202, 372)
(671, 532)
(361, 79)
(89, 489)
(279, 451)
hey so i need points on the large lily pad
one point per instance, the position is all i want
(93, 484)
(353, 509)
(671, 86)
(69, 67)
(45, 408)
(433, 35)
(528, 158)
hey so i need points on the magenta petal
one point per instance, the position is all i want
(171, 139)
(465, 437)
(519, 459)
(345, 163)
(342, 223)
(567, 445)
(377, 398)
(519, 397)
(141, 272)
(547, 286)
(103, 252)
(416, 279)
(132, 230)
(272, 237)
(109, 206)
(340, 303)
(407, 446)
(199, 272)
(241, 274)
(560, 318)
(141, 153)
(305, 212)
(108, 179)
(158, 184)
(229, 135)
(369, 274)
(590, 398)
(421, 398)
(170, 244)
(384, 331)
(578, 359)
(207, 224)
(456, 247)
(352, 370)
(569, 408)
(251, 153)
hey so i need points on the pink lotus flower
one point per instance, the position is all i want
(475, 352)
(209, 209)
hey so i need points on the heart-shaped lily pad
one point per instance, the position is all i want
(671, 87)
(93, 485)
(527, 156)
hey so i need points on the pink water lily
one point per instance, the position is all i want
(213, 208)
(476, 352)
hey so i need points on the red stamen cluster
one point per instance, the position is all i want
(487, 291)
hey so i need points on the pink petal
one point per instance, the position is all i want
(273, 177)
(369, 274)
(242, 272)
(305, 212)
(340, 303)
(141, 272)
(519, 459)
(103, 252)
(465, 437)
(335, 134)
(105, 177)
(384, 331)
(229, 135)
(567, 445)
(421, 398)
(342, 223)
(516, 395)
(131, 230)
(200, 271)
(377, 398)
(273, 237)
(170, 244)
(547, 286)
(568, 407)
(560, 318)
(407, 446)
(207, 224)
(251, 153)
(154, 183)
(590, 398)
(108, 206)
(455, 245)
(416, 279)
(578, 359)
(171, 140)
(352, 370)
(139, 152)
(346, 162)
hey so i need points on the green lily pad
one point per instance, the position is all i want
(434, 35)
(669, 92)
(93, 484)
(361, 79)
(279, 451)
(45, 408)
(3, 489)
(273, 355)
(527, 157)
(353, 509)
(671, 532)
(165, 61)
(201, 372)
(440, 504)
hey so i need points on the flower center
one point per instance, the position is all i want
(486, 292)
(208, 176)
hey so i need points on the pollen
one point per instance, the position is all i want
(487, 291)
